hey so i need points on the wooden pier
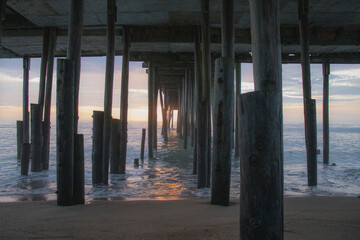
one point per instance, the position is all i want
(191, 50)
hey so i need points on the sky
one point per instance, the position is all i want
(344, 90)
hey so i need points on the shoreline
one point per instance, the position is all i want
(304, 218)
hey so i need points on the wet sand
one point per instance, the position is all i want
(305, 218)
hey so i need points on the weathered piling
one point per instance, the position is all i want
(150, 109)
(261, 144)
(109, 81)
(222, 132)
(75, 31)
(237, 108)
(124, 99)
(97, 141)
(115, 146)
(25, 157)
(44, 62)
(155, 95)
(303, 9)
(326, 73)
(164, 118)
(47, 106)
(202, 112)
(36, 138)
(19, 137)
(79, 166)
(26, 124)
(223, 107)
(186, 107)
(65, 132)
(260, 205)
(311, 145)
(195, 153)
(142, 143)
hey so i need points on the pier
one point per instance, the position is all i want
(192, 52)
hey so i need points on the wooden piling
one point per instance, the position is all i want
(47, 106)
(223, 119)
(79, 166)
(260, 179)
(124, 99)
(186, 107)
(195, 153)
(326, 73)
(65, 132)
(155, 95)
(97, 143)
(237, 108)
(44, 62)
(115, 146)
(164, 118)
(311, 145)
(202, 112)
(26, 124)
(75, 30)
(36, 138)
(142, 143)
(19, 137)
(25, 157)
(303, 9)
(150, 109)
(261, 144)
(109, 80)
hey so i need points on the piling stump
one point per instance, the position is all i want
(98, 123)
(36, 138)
(260, 166)
(25, 157)
(142, 143)
(65, 132)
(79, 176)
(311, 141)
(19, 137)
(115, 146)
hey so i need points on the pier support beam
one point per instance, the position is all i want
(303, 9)
(97, 143)
(142, 143)
(44, 62)
(47, 106)
(115, 146)
(326, 73)
(155, 96)
(25, 155)
(261, 175)
(223, 128)
(36, 138)
(124, 99)
(19, 137)
(164, 118)
(223, 107)
(237, 108)
(65, 132)
(204, 101)
(74, 49)
(150, 109)
(109, 80)
(186, 107)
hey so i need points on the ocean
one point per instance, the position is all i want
(169, 175)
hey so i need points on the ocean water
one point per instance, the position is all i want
(169, 174)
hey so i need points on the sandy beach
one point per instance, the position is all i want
(305, 218)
